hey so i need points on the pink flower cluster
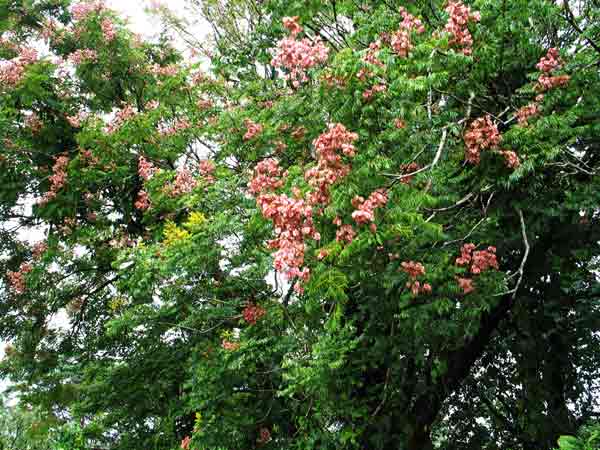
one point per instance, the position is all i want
(165, 71)
(511, 159)
(207, 169)
(174, 128)
(401, 40)
(267, 176)
(253, 313)
(121, 116)
(185, 443)
(415, 270)
(547, 65)
(184, 183)
(83, 56)
(293, 217)
(204, 103)
(550, 62)
(143, 201)
(482, 134)
(524, 113)
(12, 71)
(16, 280)
(230, 346)
(457, 25)
(108, 29)
(479, 262)
(152, 104)
(330, 166)
(297, 56)
(345, 233)
(76, 119)
(264, 436)
(81, 10)
(466, 284)
(48, 30)
(252, 129)
(291, 23)
(365, 209)
(57, 180)
(293, 222)
(146, 169)
(368, 94)
(39, 249)
(408, 169)
(371, 57)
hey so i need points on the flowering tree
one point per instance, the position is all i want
(367, 226)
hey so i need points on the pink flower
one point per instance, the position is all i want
(34, 123)
(550, 62)
(16, 280)
(185, 443)
(291, 23)
(81, 10)
(152, 104)
(143, 201)
(511, 158)
(371, 57)
(57, 180)
(165, 71)
(365, 211)
(267, 177)
(414, 270)
(457, 26)
(146, 169)
(293, 223)
(121, 116)
(466, 284)
(330, 166)
(184, 183)
(173, 128)
(524, 113)
(401, 40)
(253, 313)
(323, 253)
(372, 91)
(39, 249)
(297, 56)
(108, 29)
(480, 261)
(83, 56)
(230, 346)
(12, 71)
(482, 134)
(252, 129)
(206, 169)
(548, 83)
(76, 119)
(345, 234)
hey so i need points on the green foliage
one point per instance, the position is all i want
(153, 317)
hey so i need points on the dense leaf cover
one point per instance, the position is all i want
(362, 225)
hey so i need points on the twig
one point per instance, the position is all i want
(521, 270)
(465, 199)
(429, 166)
(467, 235)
